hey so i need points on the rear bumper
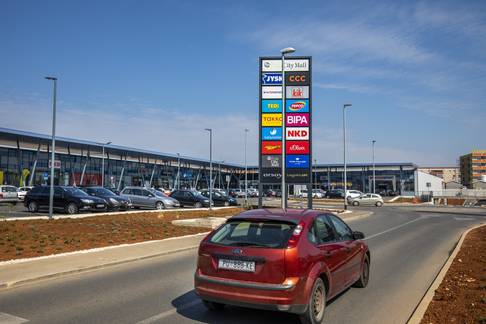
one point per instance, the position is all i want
(279, 297)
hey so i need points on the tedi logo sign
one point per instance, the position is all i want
(297, 147)
(272, 78)
(297, 119)
(272, 106)
(297, 133)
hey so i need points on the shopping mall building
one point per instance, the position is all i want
(24, 160)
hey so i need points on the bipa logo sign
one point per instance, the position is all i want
(297, 147)
(297, 119)
(272, 78)
(297, 133)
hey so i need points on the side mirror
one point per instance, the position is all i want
(358, 235)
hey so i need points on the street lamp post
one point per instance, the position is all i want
(210, 165)
(374, 178)
(344, 154)
(179, 171)
(315, 172)
(103, 164)
(284, 51)
(246, 170)
(51, 191)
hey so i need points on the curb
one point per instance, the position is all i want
(421, 308)
(7, 285)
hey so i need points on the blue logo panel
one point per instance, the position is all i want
(271, 133)
(272, 78)
(297, 161)
(272, 106)
(297, 105)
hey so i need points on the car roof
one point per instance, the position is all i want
(288, 215)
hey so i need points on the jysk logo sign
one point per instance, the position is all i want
(297, 161)
(297, 133)
(272, 106)
(271, 119)
(297, 119)
(272, 78)
(271, 147)
(271, 133)
(297, 147)
(297, 78)
(297, 106)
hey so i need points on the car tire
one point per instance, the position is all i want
(379, 204)
(226, 203)
(213, 306)
(314, 313)
(159, 205)
(364, 276)
(198, 205)
(33, 207)
(72, 208)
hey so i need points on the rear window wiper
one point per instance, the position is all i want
(247, 244)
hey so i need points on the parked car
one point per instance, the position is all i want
(68, 199)
(148, 198)
(8, 194)
(351, 194)
(256, 260)
(220, 199)
(318, 193)
(240, 193)
(270, 193)
(113, 201)
(335, 193)
(368, 199)
(303, 193)
(22, 191)
(190, 198)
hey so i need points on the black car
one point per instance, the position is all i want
(190, 198)
(335, 193)
(68, 199)
(219, 199)
(113, 201)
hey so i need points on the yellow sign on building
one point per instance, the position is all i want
(271, 119)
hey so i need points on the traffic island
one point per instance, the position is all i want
(40, 237)
(461, 296)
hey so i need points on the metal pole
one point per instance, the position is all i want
(51, 191)
(178, 171)
(374, 179)
(103, 167)
(210, 166)
(284, 135)
(344, 155)
(246, 171)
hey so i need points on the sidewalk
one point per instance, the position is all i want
(22, 271)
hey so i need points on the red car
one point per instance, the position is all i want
(290, 260)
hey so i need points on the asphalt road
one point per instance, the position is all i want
(408, 249)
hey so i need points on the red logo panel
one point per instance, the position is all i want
(271, 147)
(297, 147)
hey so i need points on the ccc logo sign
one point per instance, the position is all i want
(297, 78)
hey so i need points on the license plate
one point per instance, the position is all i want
(100, 206)
(237, 265)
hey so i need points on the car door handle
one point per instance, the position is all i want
(328, 254)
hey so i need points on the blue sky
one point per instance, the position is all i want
(154, 74)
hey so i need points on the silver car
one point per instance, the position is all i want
(8, 194)
(368, 199)
(148, 198)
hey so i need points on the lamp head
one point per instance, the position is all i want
(51, 78)
(347, 105)
(287, 50)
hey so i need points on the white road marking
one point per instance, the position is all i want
(393, 228)
(167, 313)
(463, 218)
(10, 319)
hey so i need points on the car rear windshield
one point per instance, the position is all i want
(254, 233)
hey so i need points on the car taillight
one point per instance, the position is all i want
(1, 195)
(294, 239)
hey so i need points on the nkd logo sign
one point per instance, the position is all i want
(297, 119)
(271, 161)
(297, 147)
(271, 133)
(272, 78)
(271, 92)
(297, 161)
(297, 133)
(272, 106)
(271, 147)
(297, 106)
(271, 119)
